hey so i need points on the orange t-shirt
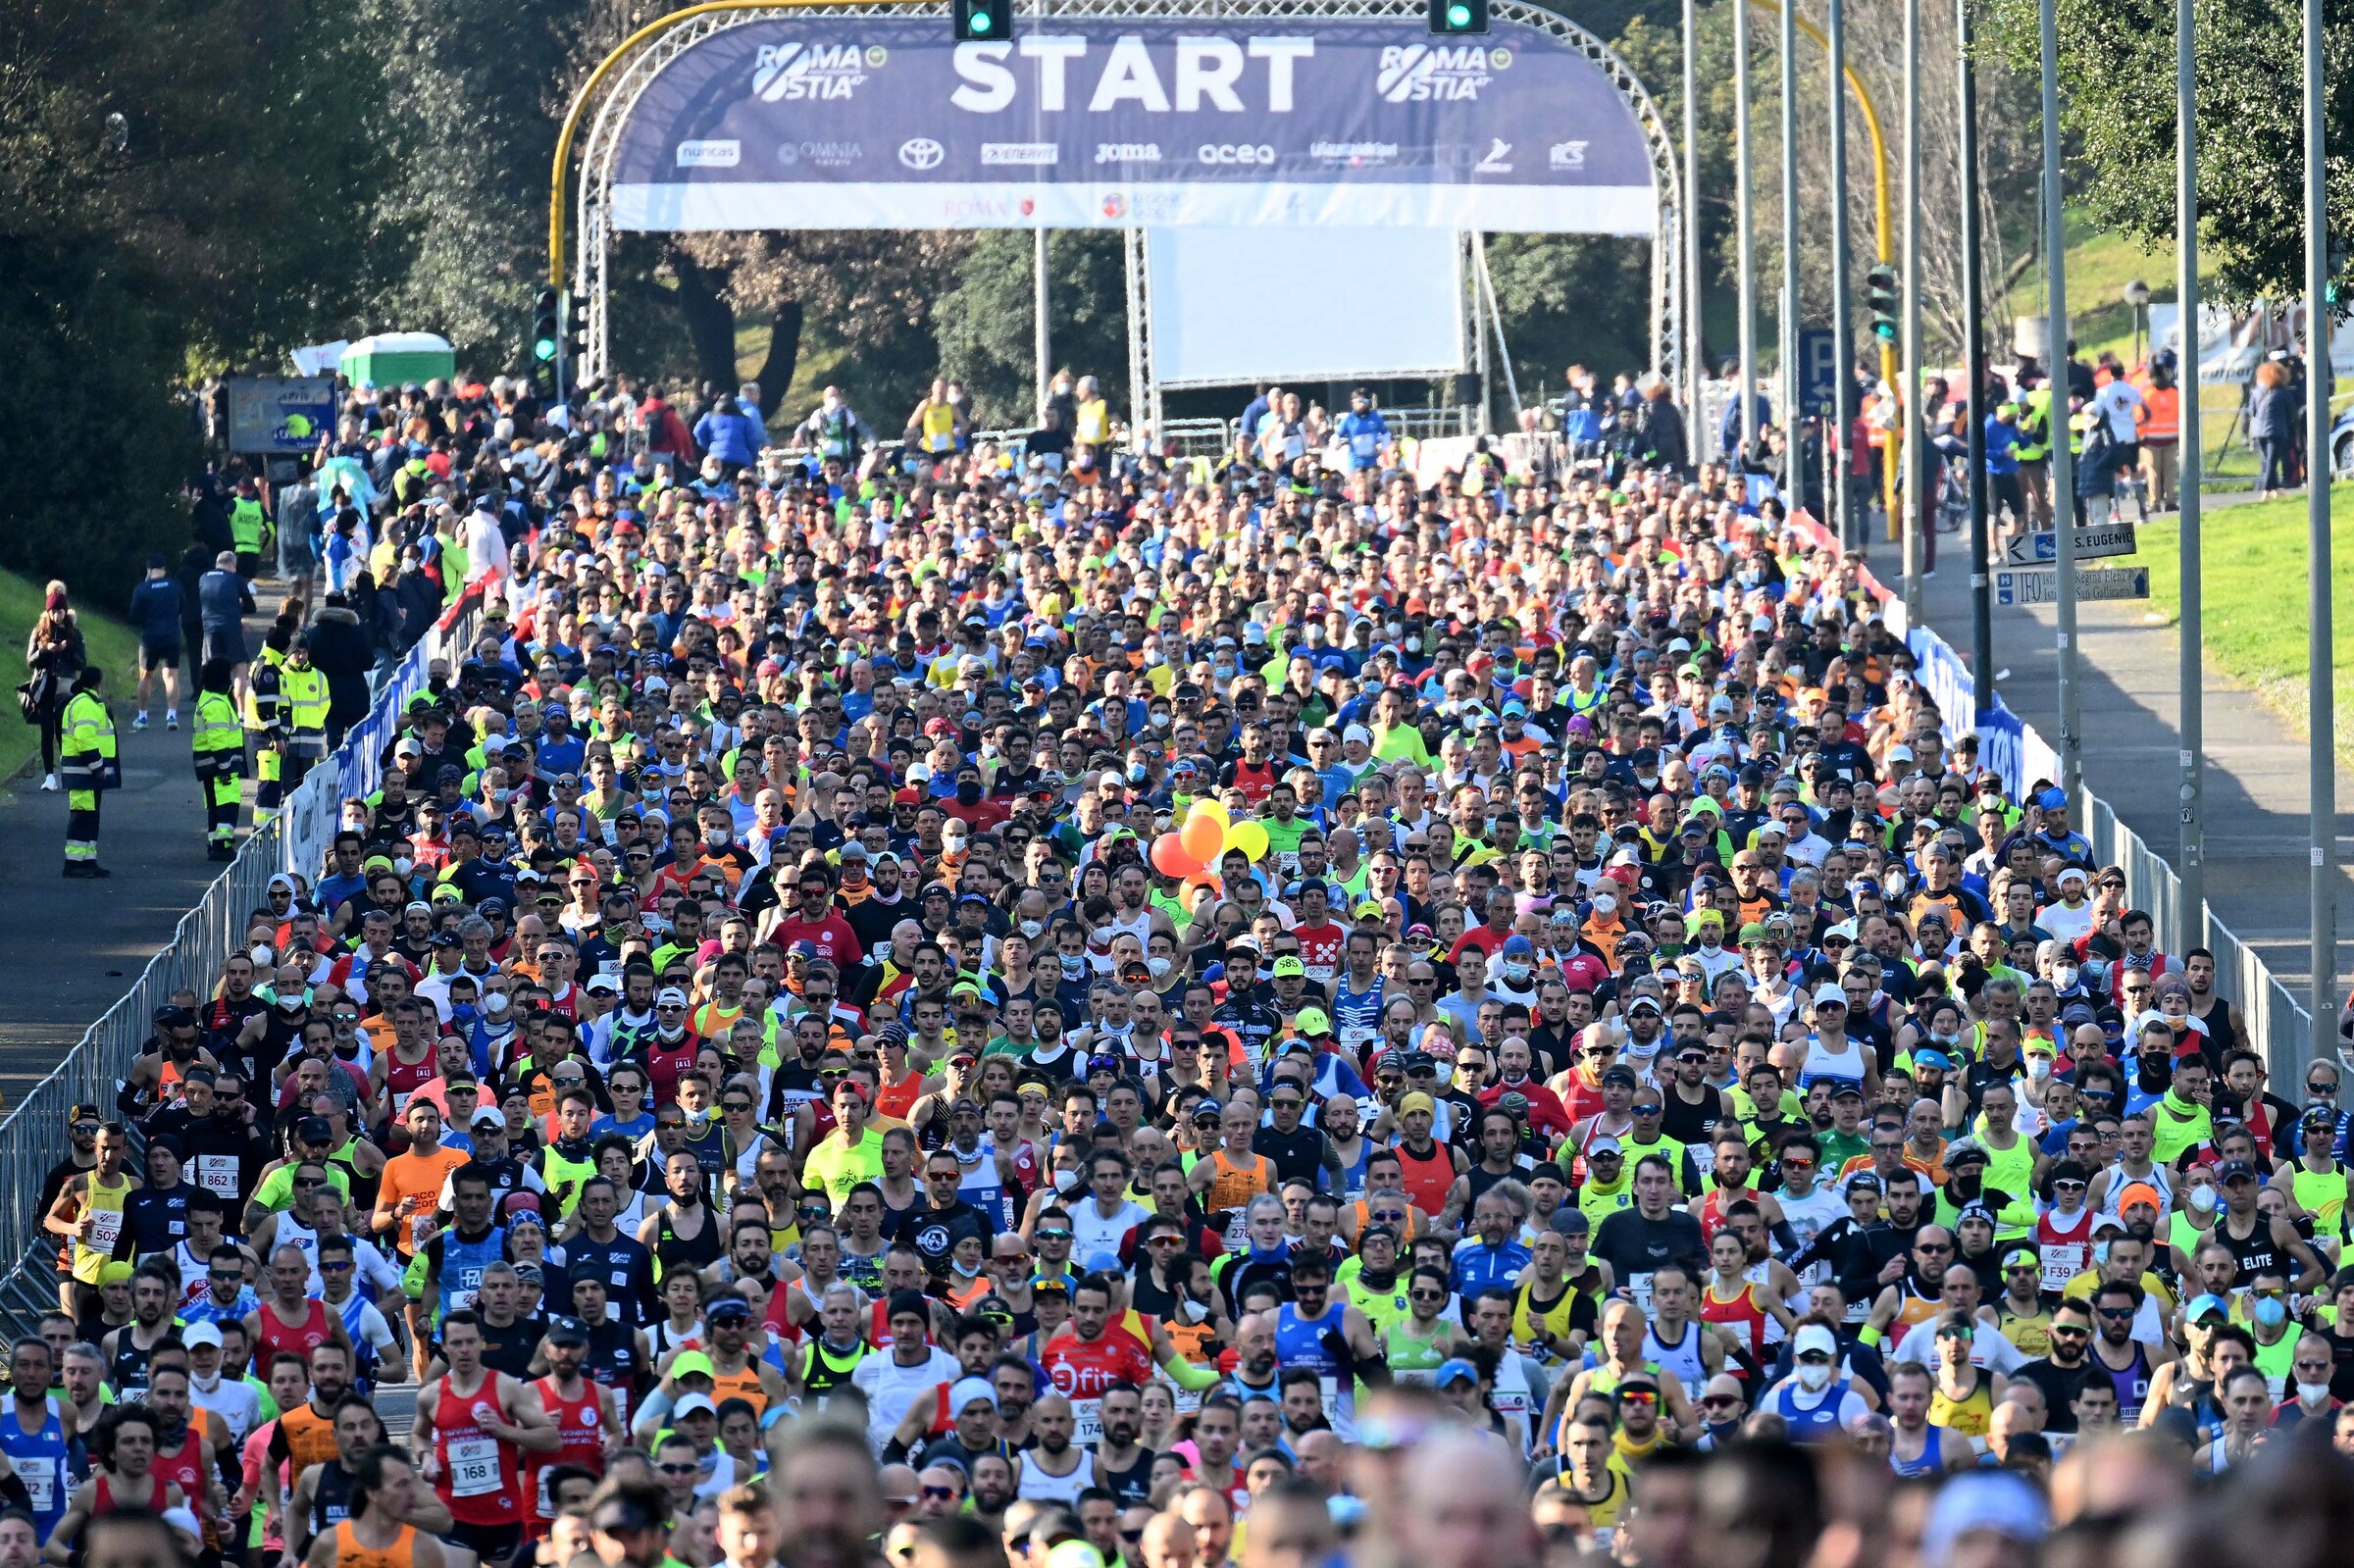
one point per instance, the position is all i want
(412, 1185)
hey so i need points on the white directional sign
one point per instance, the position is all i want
(2042, 549)
(2041, 585)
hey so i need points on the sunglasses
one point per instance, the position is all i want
(2117, 1314)
(940, 1494)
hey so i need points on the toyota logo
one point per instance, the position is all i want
(921, 152)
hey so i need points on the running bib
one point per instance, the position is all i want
(218, 1174)
(1087, 1417)
(40, 1483)
(106, 1228)
(2059, 1265)
(473, 1466)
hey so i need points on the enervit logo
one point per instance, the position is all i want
(1236, 153)
(1418, 72)
(1020, 154)
(786, 72)
(1567, 155)
(710, 154)
(1127, 152)
(920, 153)
(1499, 160)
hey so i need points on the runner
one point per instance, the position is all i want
(472, 1428)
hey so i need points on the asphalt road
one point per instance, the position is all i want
(2257, 801)
(70, 949)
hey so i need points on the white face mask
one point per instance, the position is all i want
(1814, 1376)
(2201, 1198)
(1189, 1310)
(1066, 1181)
(1159, 967)
(495, 1004)
(1604, 906)
(2313, 1393)
(1446, 1074)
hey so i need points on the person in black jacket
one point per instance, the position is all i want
(343, 648)
(1663, 425)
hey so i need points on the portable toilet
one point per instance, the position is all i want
(397, 359)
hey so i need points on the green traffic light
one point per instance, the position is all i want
(1458, 16)
(544, 348)
(979, 21)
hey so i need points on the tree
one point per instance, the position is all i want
(2116, 68)
(988, 320)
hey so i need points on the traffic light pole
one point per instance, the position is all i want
(1916, 418)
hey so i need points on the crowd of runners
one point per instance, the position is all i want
(1032, 1004)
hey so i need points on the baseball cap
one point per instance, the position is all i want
(1311, 1020)
(567, 1330)
(1815, 1338)
(693, 1404)
(1455, 1370)
(1290, 965)
(196, 1334)
(2207, 1306)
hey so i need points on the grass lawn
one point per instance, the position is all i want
(2254, 616)
(111, 643)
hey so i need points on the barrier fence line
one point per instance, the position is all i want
(2279, 1028)
(33, 1139)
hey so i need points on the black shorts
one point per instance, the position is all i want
(160, 655)
(493, 1544)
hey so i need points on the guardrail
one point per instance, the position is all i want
(33, 1137)
(2278, 1027)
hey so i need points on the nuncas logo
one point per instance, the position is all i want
(1418, 72)
(787, 71)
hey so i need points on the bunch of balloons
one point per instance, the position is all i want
(1191, 852)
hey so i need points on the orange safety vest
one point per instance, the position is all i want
(2162, 414)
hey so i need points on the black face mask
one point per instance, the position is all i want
(969, 792)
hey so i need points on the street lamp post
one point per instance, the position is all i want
(2320, 714)
(2064, 468)
(1746, 246)
(2191, 672)
(2137, 296)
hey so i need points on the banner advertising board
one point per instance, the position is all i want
(881, 121)
(280, 414)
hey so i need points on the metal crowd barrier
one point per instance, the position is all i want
(33, 1139)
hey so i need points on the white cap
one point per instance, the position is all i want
(489, 1116)
(670, 997)
(690, 1404)
(1829, 994)
(1815, 1337)
(1358, 731)
(196, 1334)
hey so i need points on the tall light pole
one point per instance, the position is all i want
(1695, 349)
(1843, 348)
(1746, 402)
(1973, 361)
(1790, 312)
(1916, 425)
(2191, 674)
(2064, 466)
(1043, 335)
(2320, 713)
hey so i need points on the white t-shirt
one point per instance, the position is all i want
(890, 1390)
(2118, 402)
(1092, 1232)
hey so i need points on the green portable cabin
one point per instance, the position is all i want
(398, 359)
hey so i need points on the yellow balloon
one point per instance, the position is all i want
(1213, 809)
(1249, 838)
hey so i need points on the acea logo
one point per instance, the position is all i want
(788, 73)
(1422, 73)
(920, 153)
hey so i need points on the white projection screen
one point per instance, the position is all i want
(1237, 305)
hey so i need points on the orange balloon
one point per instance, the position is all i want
(1204, 836)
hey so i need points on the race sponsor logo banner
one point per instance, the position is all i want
(886, 122)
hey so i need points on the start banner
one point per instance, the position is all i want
(886, 122)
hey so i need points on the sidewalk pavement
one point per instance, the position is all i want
(74, 947)
(2129, 696)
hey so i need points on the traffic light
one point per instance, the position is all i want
(1451, 18)
(545, 331)
(1881, 290)
(576, 339)
(982, 21)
